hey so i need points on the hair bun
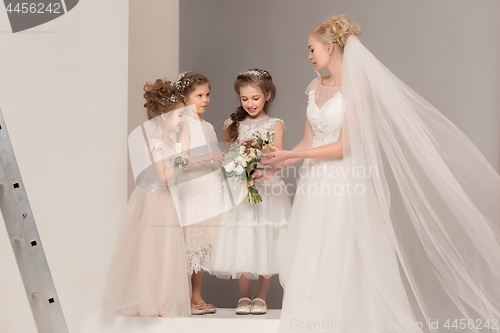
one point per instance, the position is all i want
(342, 27)
(161, 96)
(337, 29)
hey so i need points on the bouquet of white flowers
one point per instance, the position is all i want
(239, 165)
(265, 140)
(241, 162)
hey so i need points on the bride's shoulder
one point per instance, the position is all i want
(313, 85)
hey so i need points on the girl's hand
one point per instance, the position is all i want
(218, 157)
(264, 173)
(275, 158)
(254, 143)
(198, 160)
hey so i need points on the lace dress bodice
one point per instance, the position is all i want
(155, 145)
(148, 178)
(248, 127)
(326, 121)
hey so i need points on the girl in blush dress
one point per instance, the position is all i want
(147, 273)
(251, 235)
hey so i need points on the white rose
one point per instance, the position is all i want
(239, 160)
(229, 167)
(239, 169)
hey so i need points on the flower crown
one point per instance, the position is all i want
(260, 73)
(180, 84)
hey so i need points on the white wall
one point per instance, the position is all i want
(63, 92)
(153, 53)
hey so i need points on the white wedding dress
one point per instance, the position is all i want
(323, 274)
(401, 234)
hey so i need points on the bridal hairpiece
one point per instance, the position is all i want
(172, 99)
(260, 73)
(182, 85)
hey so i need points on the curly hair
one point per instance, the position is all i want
(256, 78)
(336, 29)
(160, 96)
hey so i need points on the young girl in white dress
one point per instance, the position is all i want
(394, 226)
(200, 187)
(250, 237)
(147, 274)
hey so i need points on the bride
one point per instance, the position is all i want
(395, 223)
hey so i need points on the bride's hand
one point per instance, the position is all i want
(275, 158)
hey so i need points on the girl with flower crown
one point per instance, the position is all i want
(200, 187)
(251, 235)
(147, 273)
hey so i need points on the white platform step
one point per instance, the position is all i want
(225, 320)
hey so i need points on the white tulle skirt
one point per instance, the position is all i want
(327, 287)
(147, 275)
(251, 238)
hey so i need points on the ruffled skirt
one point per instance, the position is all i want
(251, 238)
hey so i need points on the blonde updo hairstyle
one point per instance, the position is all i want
(336, 29)
(161, 97)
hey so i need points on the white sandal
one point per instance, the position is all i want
(244, 309)
(259, 309)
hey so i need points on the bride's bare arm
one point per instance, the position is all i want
(306, 143)
(272, 169)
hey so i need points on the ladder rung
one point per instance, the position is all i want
(26, 244)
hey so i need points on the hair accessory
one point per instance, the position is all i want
(260, 73)
(180, 84)
(172, 99)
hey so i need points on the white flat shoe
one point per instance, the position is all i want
(259, 309)
(244, 309)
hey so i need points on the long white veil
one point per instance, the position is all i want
(434, 196)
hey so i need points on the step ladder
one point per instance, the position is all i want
(26, 243)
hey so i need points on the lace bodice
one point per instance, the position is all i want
(248, 127)
(327, 120)
(148, 178)
(153, 146)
